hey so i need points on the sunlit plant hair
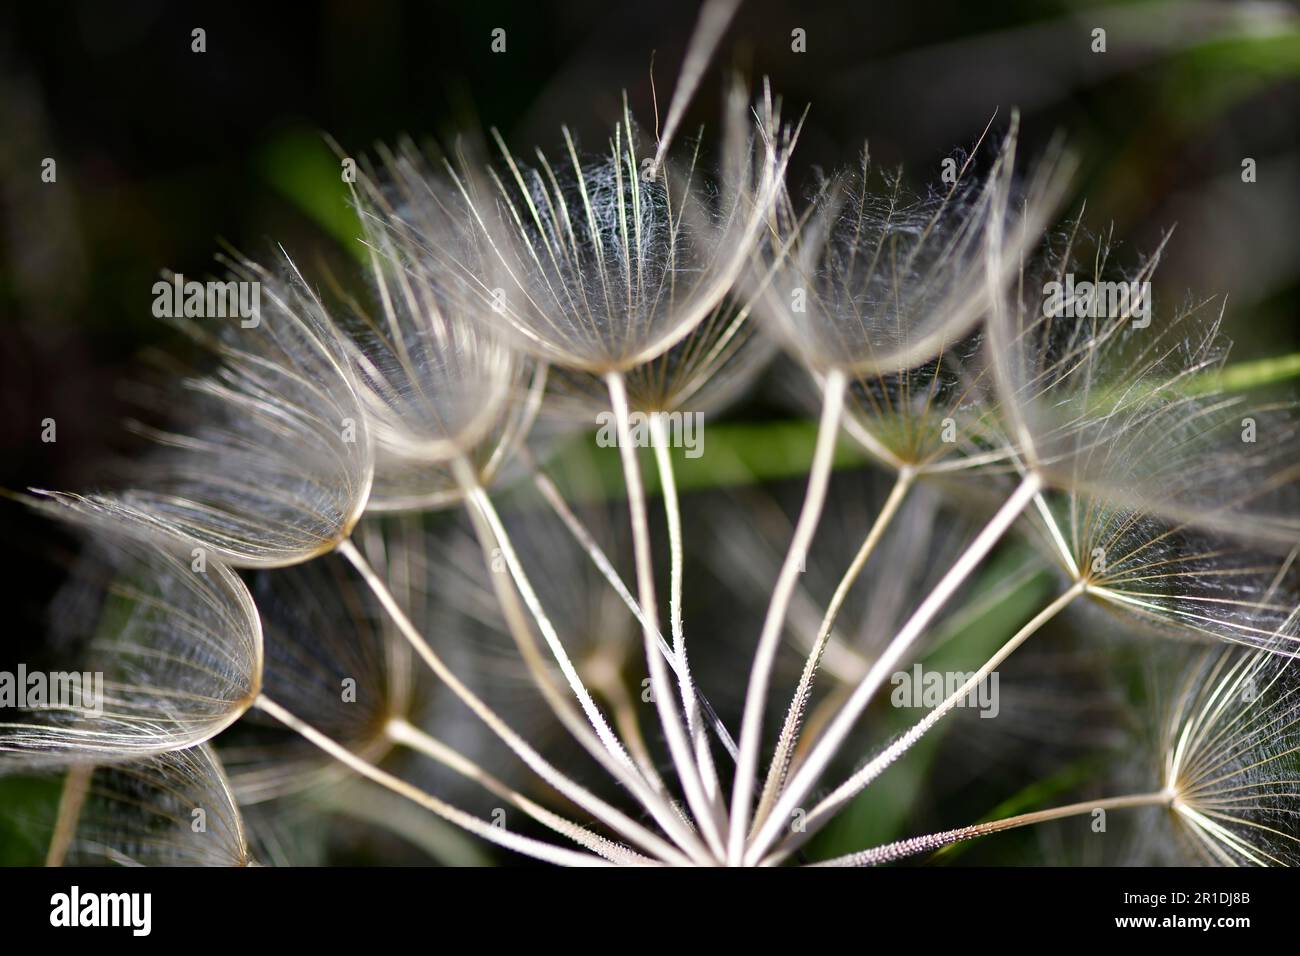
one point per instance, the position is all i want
(630, 277)
(435, 379)
(277, 466)
(876, 280)
(172, 809)
(612, 259)
(1229, 747)
(179, 651)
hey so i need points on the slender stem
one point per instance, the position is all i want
(517, 623)
(824, 750)
(480, 500)
(901, 849)
(610, 815)
(1054, 530)
(690, 696)
(469, 822)
(789, 738)
(709, 29)
(678, 745)
(551, 495)
(860, 780)
(607, 681)
(648, 786)
(761, 673)
(400, 731)
(75, 786)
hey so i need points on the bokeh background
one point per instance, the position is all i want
(163, 153)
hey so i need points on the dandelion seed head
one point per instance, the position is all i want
(879, 281)
(275, 465)
(503, 294)
(179, 650)
(332, 660)
(611, 267)
(1230, 749)
(436, 382)
(170, 809)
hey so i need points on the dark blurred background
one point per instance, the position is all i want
(162, 152)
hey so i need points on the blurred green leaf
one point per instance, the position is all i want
(746, 453)
(301, 167)
(1244, 376)
(1036, 796)
(1208, 79)
(29, 805)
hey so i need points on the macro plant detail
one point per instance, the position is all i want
(372, 563)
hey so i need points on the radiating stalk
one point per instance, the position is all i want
(479, 499)
(551, 495)
(709, 28)
(805, 778)
(902, 849)
(75, 786)
(597, 807)
(513, 841)
(678, 744)
(690, 697)
(648, 786)
(789, 738)
(831, 805)
(406, 734)
(760, 675)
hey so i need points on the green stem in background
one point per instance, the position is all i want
(749, 453)
(1244, 376)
